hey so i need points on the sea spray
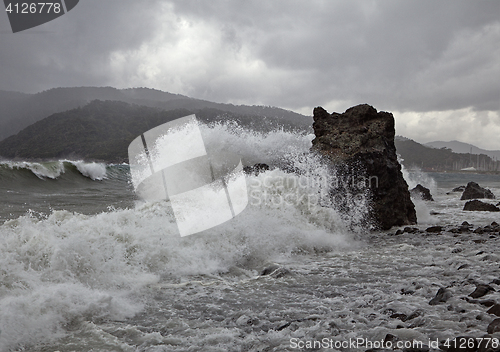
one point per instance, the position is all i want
(65, 270)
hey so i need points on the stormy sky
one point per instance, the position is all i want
(434, 64)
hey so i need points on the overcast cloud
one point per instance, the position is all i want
(434, 64)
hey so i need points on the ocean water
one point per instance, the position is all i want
(87, 266)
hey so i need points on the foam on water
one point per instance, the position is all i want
(69, 268)
(54, 169)
(124, 280)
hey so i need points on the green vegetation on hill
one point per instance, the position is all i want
(18, 111)
(103, 130)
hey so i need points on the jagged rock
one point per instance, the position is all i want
(494, 326)
(481, 290)
(495, 310)
(421, 192)
(442, 296)
(275, 271)
(474, 191)
(256, 169)
(360, 145)
(458, 189)
(477, 205)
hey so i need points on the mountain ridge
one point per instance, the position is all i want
(461, 147)
(19, 110)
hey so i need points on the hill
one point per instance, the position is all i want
(443, 159)
(460, 147)
(18, 110)
(103, 130)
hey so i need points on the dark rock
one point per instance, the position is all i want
(496, 282)
(399, 232)
(391, 338)
(360, 144)
(463, 266)
(415, 314)
(442, 296)
(458, 189)
(421, 192)
(494, 223)
(484, 302)
(474, 191)
(481, 290)
(275, 271)
(465, 223)
(494, 326)
(477, 205)
(495, 310)
(256, 169)
(400, 316)
(434, 229)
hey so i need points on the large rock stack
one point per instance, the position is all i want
(360, 143)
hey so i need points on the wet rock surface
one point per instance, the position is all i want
(477, 205)
(360, 143)
(474, 191)
(421, 192)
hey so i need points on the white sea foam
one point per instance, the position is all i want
(94, 171)
(54, 169)
(70, 268)
(76, 280)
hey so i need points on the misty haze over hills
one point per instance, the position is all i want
(19, 110)
(460, 147)
(98, 123)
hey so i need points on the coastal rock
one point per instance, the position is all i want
(474, 191)
(442, 296)
(495, 310)
(256, 169)
(434, 229)
(494, 326)
(421, 192)
(477, 205)
(360, 145)
(481, 290)
(276, 271)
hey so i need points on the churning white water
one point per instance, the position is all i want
(124, 280)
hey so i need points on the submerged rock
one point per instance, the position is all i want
(481, 290)
(494, 326)
(477, 205)
(474, 191)
(256, 169)
(360, 145)
(421, 192)
(495, 310)
(442, 296)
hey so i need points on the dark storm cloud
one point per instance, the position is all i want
(408, 56)
(73, 49)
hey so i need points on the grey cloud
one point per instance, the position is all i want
(400, 55)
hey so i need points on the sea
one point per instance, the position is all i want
(85, 265)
